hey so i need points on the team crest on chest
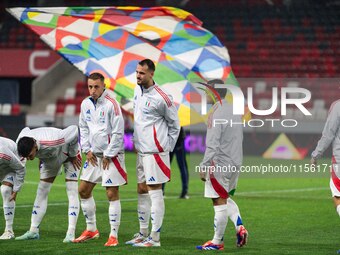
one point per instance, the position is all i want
(102, 116)
(88, 115)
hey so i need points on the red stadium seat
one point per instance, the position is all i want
(15, 109)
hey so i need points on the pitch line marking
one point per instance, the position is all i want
(195, 196)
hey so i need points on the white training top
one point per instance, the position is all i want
(156, 123)
(101, 126)
(49, 140)
(330, 134)
(11, 162)
(223, 141)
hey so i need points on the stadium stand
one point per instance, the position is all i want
(299, 40)
(9, 109)
(13, 35)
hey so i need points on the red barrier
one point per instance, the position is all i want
(26, 63)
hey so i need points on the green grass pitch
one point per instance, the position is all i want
(284, 214)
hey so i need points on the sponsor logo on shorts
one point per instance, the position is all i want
(152, 179)
(10, 178)
(108, 181)
(74, 175)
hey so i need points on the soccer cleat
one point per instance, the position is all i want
(7, 235)
(148, 242)
(112, 241)
(86, 236)
(137, 238)
(242, 236)
(28, 236)
(69, 238)
(209, 246)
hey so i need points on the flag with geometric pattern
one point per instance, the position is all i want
(112, 40)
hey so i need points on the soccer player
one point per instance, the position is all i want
(223, 150)
(156, 129)
(54, 148)
(102, 140)
(12, 174)
(331, 135)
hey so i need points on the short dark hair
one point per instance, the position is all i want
(25, 146)
(96, 76)
(149, 63)
(220, 91)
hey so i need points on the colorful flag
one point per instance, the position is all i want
(112, 40)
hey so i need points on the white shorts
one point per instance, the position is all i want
(9, 178)
(334, 183)
(114, 176)
(153, 168)
(51, 167)
(220, 184)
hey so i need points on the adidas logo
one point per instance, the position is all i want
(151, 179)
(73, 175)
(10, 178)
(108, 181)
(34, 212)
(9, 213)
(73, 214)
(141, 218)
(88, 111)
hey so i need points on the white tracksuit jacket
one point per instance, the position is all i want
(330, 134)
(10, 161)
(223, 141)
(156, 124)
(49, 140)
(101, 126)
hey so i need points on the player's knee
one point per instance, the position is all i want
(112, 193)
(84, 194)
(219, 201)
(154, 187)
(85, 189)
(6, 190)
(336, 200)
(142, 188)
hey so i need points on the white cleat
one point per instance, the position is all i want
(28, 236)
(137, 238)
(7, 235)
(69, 238)
(148, 242)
